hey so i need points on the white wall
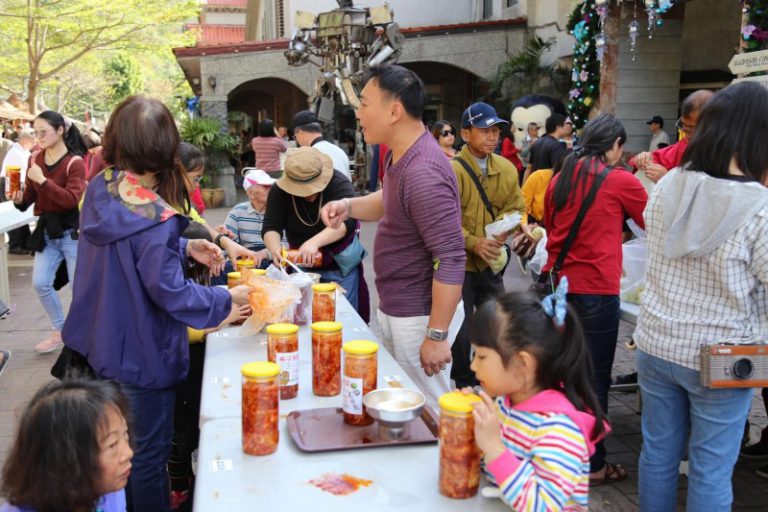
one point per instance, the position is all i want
(408, 13)
(546, 18)
(224, 18)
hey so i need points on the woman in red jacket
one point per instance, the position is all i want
(593, 262)
(55, 183)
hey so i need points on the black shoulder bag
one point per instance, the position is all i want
(548, 281)
(487, 203)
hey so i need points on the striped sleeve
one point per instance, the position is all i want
(551, 476)
(231, 224)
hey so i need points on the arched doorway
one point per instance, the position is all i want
(263, 98)
(450, 89)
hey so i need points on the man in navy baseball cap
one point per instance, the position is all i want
(488, 189)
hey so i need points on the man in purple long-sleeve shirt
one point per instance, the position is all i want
(419, 255)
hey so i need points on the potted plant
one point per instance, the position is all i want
(218, 146)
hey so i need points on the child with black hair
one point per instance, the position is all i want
(71, 450)
(539, 432)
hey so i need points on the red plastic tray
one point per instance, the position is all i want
(320, 430)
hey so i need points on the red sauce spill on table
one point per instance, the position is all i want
(340, 485)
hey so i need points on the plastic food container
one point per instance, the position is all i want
(301, 315)
(326, 358)
(245, 264)
(260, 407)
(283, 349)
(234, 279)
(359, 378)
(459, 454)
(294, 256)
(324, 302)
(13, 172)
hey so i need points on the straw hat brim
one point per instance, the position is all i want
(315, 186)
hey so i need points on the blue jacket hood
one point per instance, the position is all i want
(112, 218)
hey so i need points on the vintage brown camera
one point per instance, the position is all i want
(734, 366)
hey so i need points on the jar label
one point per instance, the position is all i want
(352, 395)
(289, 367)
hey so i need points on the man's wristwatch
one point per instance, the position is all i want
(436, 334)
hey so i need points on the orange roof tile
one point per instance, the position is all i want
(218, 34)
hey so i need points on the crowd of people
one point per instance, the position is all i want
(140, 262)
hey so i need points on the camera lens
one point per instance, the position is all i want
(743, 368)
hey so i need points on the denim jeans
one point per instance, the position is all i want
(599, 315)
(148, 487)
(674, 405)
(348, 282)
(46, 263)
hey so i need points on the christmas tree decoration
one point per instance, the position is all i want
(755, 31)
(590, 43)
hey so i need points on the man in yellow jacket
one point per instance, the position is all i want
(498, 178)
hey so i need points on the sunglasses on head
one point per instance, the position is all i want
(446, 133)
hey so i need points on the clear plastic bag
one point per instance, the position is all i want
(539, 258)
(633, 266)
(507, 224)
(273, 298)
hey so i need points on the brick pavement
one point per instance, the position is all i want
(27, 324)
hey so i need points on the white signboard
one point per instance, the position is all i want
(762, 80)
(742, 63)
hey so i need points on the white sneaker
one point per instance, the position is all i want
(50, 344)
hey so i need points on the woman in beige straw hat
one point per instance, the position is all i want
(294, 204)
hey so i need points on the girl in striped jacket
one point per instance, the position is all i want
(538, 433)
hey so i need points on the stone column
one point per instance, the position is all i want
(222, 174)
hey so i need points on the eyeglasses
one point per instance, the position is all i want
(446, 133)
(688, 128)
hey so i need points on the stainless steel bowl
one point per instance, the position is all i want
(393, 409)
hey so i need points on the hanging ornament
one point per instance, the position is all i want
(650, 8)
(634, 29)
(600, 43)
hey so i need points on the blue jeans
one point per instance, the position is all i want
(148, 487)
(674, 404)
(599, 315)
(348, 282)
(46, 263)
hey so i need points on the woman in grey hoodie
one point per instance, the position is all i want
(707, 224)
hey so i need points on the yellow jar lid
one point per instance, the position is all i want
(261, 369)
(456, 401)
(234, 275)
(361, 347)
(258, 271)
(282, 329)
(245, 262)
(324, 287)
(327, 326)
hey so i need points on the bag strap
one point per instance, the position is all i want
(588, 200)
(479, 186)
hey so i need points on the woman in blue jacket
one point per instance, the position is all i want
(131, 304)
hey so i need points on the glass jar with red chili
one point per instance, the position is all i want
(326, 358)
(283, 349)
(459, 455)
(359, 377)
(324, 302)
(260, 407)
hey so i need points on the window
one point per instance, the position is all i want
(511, 3)
(280, 18)
(487, 9)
